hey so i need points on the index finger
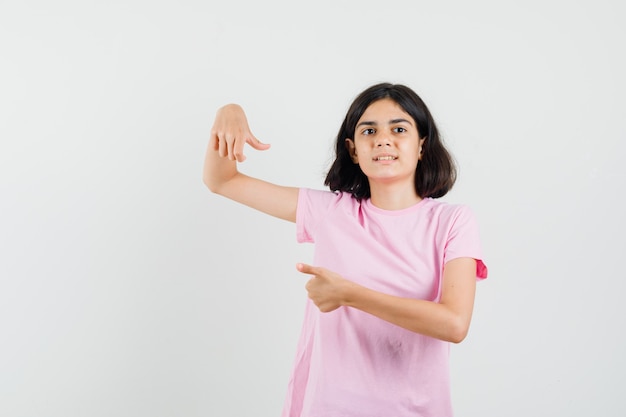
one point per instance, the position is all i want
(306, 269)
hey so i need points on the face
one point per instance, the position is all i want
(386, 144)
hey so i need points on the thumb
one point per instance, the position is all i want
(257, 144)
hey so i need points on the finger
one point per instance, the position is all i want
(221, 142)
(257, 144)
(238, 150)
(307, 269)
(230, 148)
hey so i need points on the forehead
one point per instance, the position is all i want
(384, 110)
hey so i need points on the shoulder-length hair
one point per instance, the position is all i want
(435, 173)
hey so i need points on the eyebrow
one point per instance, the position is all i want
(391, 122)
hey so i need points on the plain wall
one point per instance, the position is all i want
(128, 289)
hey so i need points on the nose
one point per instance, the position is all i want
(382, 140)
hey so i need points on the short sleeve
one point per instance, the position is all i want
(304, 215)
(311, 209)
(464, 240)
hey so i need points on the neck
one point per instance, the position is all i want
(393, 196)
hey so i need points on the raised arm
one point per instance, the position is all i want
(229, 134)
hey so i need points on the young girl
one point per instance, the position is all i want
(394, 270)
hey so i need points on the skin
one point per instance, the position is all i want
(385, 129)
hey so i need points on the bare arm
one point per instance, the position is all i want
(229, 134)
(449, 319)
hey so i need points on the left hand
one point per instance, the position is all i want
(326, 289)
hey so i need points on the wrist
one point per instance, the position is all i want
(349, 293)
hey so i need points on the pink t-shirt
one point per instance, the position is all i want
(350, 363)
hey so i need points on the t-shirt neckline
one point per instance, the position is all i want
(368, 204)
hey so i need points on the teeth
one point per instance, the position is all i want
(385, 158)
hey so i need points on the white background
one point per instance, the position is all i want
(127, 289)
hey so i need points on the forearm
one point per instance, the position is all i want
(217, 170)
(449, 319)
(425, 317)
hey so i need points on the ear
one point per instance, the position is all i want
(421, 148)
(352, 150)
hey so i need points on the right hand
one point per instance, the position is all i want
(230, 132)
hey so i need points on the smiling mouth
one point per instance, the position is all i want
(385, 158)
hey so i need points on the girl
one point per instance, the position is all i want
(394, 271)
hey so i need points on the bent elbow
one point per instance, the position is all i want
(209, 184)
(458, 332)
(457, 338)
(212, 185)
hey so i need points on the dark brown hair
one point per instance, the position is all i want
(435, 173)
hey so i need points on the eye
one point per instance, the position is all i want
(399, 129)
(368, 131)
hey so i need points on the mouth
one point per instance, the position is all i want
(385, 158)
